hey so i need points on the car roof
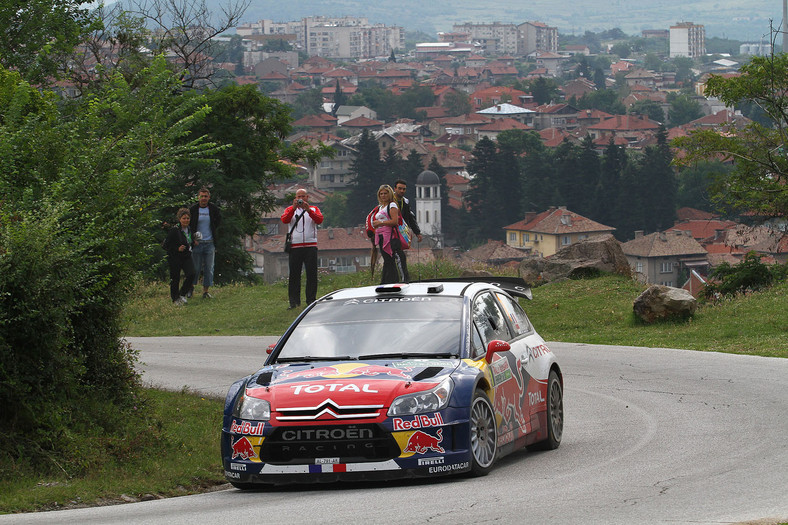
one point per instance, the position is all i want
(459, 287)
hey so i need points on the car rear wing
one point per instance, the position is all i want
(513, 285)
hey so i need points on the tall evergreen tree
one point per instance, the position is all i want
(587, 179)
(608, 206)
(369, 175)
(658, 185)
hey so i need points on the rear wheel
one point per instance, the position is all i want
(555, 415)
(484, 436)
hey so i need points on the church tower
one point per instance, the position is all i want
(428, 206)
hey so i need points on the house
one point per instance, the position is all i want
(359, 124)
(493, 129)
(552, 62)
(665, 257)
(547, 232)
(509, 111)
(632, 127)
(562, 116)
(345, 113)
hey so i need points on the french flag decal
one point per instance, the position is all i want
(317, 469)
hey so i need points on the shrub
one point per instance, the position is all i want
(748, 275)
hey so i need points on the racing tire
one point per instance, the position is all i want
(484, 434)
(555, 415)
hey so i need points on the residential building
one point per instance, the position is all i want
(509, 111)
(545, 233)
(687, 40)
(537, 36)
(493, 38)
(665, 257)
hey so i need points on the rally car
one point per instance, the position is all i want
(419, 379)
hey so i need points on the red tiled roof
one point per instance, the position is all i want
(558, 221)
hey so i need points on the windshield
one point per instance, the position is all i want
(378, 326)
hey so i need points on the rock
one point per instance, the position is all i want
(664, 302)
(475, 273)
(600, 254)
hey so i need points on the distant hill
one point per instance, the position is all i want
(735, 19)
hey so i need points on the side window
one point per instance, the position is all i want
(477, 346)
(516, 314)
(489, 319)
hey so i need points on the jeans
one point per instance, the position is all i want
(203, 255)
(178, 264)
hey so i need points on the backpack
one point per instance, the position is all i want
(404, 231)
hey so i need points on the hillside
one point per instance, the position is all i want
(747, 21)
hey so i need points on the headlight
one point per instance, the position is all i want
(253, 409)
(429, 401)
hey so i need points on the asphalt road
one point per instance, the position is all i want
(651, 436)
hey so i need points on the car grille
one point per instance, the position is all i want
(328, 410)
(344, 443)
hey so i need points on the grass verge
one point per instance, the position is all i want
(173, 449)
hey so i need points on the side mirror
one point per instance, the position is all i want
(270, 348)
(496, 346)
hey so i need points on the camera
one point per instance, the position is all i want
(300, 201)
(197, 236)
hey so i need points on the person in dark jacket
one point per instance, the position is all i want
(206, 219)
(400, 187)
(179, 243)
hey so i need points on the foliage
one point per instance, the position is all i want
(457, 103)
(683, 109)
(757, 182)
(80, 184)
(606, 100)
(369, 174)
(747, 276)
(544, 90)
(650, 108)
(36, 36)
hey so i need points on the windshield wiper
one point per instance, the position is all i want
(314, 358)
(417, 355)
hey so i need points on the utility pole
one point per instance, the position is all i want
(785, 29)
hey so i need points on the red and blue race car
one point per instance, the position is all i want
(420, 379)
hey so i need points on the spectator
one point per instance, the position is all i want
(386, 223)
(179, 244)
(400, 187)
(303, 251)
(206, 219)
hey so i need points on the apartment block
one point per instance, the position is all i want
(536, 36)
(687, 40)
(494, 38)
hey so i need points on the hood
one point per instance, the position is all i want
(344, 390)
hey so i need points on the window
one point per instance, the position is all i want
(516, 314)
(666, 283)
(489, 319)
(566, 240)
(527, 237)
(426, 216)
(639, 267)
(667, 267)
(512, 236)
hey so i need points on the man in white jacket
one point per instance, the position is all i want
(302, 220)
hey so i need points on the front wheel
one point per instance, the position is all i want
(555, 415)
(484, 435)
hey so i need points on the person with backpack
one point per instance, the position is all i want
(407, 215)
(385, 221)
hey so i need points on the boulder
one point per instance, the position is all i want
(586, 258)
(664, 302)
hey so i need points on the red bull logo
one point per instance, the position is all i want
(374, 370)
(243, 449)
(248, 428)
(420, 442)
(422, 421)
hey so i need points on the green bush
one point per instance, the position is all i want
(748, 275)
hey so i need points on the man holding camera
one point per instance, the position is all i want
(302, 220)
(205, 220)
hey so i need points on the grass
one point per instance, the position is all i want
(172, 450)
(583, 311)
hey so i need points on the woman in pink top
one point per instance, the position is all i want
(386, 223)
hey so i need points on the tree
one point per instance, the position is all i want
(309, 102)
(339, 99)
(81, 183)
(369, 175)
(649, 108)
(457, 103)
(37, 36)
(622, 49)
(187, 28)
(599, 78)
(658, 185)
(683, 109)
(544, 90)
(605, 100)
(759, 179)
